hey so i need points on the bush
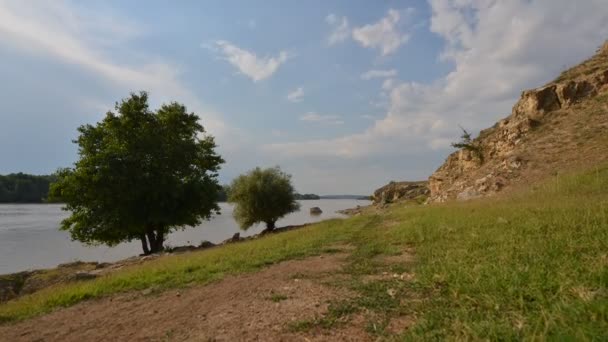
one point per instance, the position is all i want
(262, 195)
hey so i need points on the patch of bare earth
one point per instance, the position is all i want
(260, 306)
(251, 307)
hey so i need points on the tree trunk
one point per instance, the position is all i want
(156, 238)
(270, 225)
(160, 239)
(144, 244)
(151, 241)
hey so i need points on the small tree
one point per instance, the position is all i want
(466, 142)
(262, 196)
(140, 175)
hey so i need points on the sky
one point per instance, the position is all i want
(344, 95)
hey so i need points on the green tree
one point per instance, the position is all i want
(262, 195)
(468, 143)
(140, 175)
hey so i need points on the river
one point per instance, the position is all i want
(30, 237)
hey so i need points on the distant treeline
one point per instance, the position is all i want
(223, 195)
(307, 197)
(24, 188)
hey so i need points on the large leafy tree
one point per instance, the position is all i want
(262, 195)
(140, 175)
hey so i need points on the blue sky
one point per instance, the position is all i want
(345, 95)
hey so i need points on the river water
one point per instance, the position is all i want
(30, 238)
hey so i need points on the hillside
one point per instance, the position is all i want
(559, 127)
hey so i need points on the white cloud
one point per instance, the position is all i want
(248, 63)
(388, 84)
(79, 37)
(296, 95)
(340, 29)
(325, 119)
(378, 74)
(498, 48)
(383, 35)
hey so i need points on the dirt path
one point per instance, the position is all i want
(252, 307)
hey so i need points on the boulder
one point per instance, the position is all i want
(206, 244)
(316, 211)
(235, 238)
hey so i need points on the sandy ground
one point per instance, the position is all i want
(252, 307)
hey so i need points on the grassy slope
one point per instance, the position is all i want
(532, 266)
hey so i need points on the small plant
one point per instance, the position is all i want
(277, 297)
(467, 143)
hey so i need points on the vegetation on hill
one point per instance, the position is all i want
(24, 188)
(141, 174)
(531, 266)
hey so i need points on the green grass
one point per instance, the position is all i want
(337, 313)
(533, 266)
(277, 297)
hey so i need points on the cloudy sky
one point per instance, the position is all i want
(345, 95)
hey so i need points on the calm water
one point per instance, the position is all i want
(30, 239)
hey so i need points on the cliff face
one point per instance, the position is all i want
(560, 126)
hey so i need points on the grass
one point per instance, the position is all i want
(277, 297)
(337, 313)
(533, 266)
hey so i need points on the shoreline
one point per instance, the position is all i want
(18, 284)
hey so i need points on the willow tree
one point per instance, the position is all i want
(262, 195)
(140, 175)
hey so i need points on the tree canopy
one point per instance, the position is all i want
(262, 195)
(140, 175)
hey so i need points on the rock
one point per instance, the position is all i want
(534, 104)
(401, 191)
(316, 211)
(235, 238)
(572, 92)
(468, 194)
(182, 249)
(11, 285)
(353, 211)
(206, 244)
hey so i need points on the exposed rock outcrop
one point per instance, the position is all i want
(551, 128)
(401, 191)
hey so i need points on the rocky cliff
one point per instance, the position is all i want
(401, 191)
(558, 127)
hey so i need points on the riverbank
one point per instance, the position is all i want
(527, 266)
(15, 285)
(30, 237)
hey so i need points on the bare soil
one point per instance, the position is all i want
(251, 307)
